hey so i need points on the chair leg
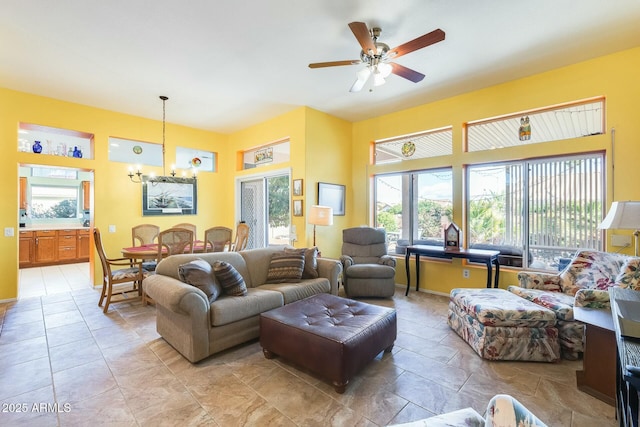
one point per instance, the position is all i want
(102, 294)
(109, 291)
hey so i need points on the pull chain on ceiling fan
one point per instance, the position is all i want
(377, 56)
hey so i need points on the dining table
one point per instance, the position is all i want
(150, 251)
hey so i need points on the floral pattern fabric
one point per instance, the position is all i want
(499, 325)
(592, 270)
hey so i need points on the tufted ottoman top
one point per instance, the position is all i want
(329, 316)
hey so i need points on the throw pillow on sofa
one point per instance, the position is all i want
(198, 273)
(230, 279)
(310, 261)
(285, 267)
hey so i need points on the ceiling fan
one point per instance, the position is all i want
(378, 57)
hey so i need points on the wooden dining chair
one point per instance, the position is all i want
(188, 226)
(171, 242)
(116, 271)
(242, 237)
(217, 239)
(144, 234)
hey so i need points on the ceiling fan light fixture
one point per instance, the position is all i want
(385, 69)
(378, 78)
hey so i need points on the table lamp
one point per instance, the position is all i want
(623, 216)
(320, 215)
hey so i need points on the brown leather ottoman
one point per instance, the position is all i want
(331, 336)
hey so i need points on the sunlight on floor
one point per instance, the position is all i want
(41, 281)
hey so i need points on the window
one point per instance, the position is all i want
(54, 202)
(433, 143)
(414, 207)
(574, 120)
(266, 155)
(546, 208)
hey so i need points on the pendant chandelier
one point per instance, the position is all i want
(139, 178)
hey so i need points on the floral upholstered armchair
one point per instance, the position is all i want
(583, 283)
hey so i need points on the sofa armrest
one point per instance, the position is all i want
(543, 281)
(176, 295)
(330, 269)
(388, 260)
(592, 298)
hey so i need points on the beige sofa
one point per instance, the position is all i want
(197, 328)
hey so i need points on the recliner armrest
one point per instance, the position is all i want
(387, 260)
(346, 261)
(592, 298)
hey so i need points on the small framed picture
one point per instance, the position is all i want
(297, 208)
(297, 187)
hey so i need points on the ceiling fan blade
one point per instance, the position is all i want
(334, 63)
(425, 40)
(361, 32)
(407, 73)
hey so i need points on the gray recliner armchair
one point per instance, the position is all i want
(367, 269)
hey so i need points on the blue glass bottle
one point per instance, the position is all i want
(77, 153)
(37, 147)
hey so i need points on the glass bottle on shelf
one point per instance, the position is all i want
(37, 147)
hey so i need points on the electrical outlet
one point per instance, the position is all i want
(112, 229)
(465, 273)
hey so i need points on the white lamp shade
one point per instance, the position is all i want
(622, 215)
(320, 215)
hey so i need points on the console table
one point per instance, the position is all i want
(628, 349)
(598, 374)
(489, 258)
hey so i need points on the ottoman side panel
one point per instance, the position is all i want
(362, 348)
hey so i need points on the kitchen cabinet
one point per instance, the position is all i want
(45, 246)
(26, 248)
(84, 245)
(23, 192)
(86, 195)
(67, 244)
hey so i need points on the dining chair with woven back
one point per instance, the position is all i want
(242, 237)
(188, 226)
(118, 271)
(144, 234)
(217, 239)
(171, 242)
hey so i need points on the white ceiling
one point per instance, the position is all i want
(229, 64)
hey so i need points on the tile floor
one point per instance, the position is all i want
(63, 362)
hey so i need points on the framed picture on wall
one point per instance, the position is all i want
(297, 208)
(332, 195)
(297, 187)
(171, 196)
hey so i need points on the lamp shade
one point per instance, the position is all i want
(622, 215)
(320, 215)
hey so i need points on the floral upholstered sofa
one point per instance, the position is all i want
(583, 283)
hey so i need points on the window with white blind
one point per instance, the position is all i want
(546, 208)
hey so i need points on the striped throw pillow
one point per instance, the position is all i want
(231, 281)
(286, 267)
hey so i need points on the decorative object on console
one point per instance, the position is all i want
(320, 215)
(452, 237)
(623, 216)
(138, 176)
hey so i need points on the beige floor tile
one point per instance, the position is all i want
(83, 382)
(15, 381)
(23, 351)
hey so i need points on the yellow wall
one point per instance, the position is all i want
(325, 149)
(612, 76)
(117, 200)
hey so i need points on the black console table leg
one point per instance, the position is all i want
(406, 265)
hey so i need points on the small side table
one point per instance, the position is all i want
(598, 376)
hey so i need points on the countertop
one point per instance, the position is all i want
(53, 227)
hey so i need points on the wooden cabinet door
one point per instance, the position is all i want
(23, 192)
(26, 245)
(86, 195)
(46, 246)
(83, 245)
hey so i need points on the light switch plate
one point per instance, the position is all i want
(112, 229)
(8, 232)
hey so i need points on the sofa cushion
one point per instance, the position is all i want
(591, 270)
(231, 281)
(227, 309)
(629, 276)
(297, 291)
(199, 273)
(285, 267)
(310, 261)
(561, 304)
